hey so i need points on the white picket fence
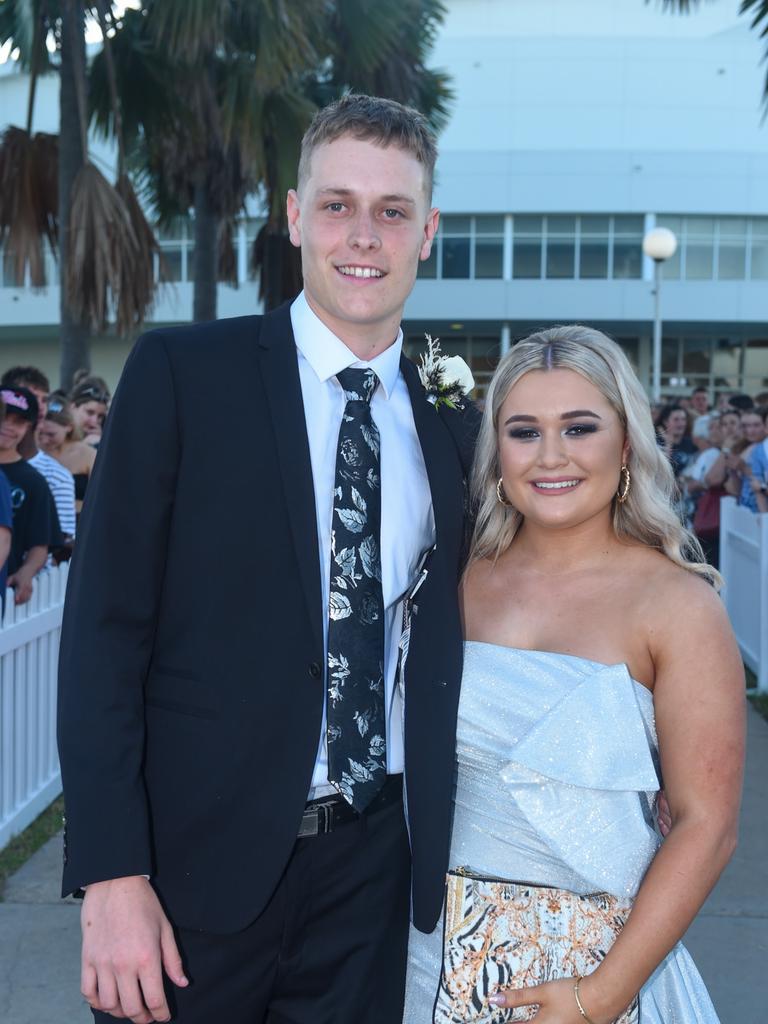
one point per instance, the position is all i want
(29, 649)
(744, 565)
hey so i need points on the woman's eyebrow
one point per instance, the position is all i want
(574, 414)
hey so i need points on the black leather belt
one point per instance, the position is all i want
(329, 813)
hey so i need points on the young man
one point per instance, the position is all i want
(60, 481)
(233, 750)
(34, 517)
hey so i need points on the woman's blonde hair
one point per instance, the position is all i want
(650, 513)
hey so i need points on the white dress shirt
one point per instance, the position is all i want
(407, 519)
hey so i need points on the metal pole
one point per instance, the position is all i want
(656, 331)
(506, 339)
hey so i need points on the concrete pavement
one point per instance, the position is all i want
(40, 934)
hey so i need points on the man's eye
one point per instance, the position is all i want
(335, 207)
(391, 214)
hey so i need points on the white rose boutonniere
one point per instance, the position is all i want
(446, 379)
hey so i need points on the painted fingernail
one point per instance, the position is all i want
(497, 1000)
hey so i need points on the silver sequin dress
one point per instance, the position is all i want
(557, 776)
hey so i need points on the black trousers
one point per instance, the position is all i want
(330, 947)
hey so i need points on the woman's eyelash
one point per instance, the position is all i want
(575, 430)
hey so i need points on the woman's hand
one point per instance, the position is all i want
(556, 1001)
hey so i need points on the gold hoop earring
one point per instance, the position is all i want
(500, 495)
(624, 484)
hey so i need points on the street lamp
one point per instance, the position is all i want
(658, 244)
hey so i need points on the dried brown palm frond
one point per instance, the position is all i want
(28, 199)
(103, 247)
(136, 291)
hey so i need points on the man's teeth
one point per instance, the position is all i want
(556, 485)
(361, 272)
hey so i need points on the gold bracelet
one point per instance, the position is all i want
(582, 1011)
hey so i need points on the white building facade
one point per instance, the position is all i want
(577, 126)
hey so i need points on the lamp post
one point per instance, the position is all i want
(658, 244)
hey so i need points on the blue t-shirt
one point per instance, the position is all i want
(6, 520)
(759, 462)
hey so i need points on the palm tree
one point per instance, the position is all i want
(377, 47)
(201, 83)
(106, 248)
(756, 9)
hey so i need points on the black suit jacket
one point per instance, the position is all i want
(191, 668)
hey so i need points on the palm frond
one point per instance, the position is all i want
(103, 247)
(28, 199)
(136, 291)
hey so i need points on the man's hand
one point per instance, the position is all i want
(127, 942)
(22, 586)
(663, 814)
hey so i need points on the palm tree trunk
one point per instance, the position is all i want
(206, 256)
(74, 337)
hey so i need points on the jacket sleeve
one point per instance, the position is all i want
(110, 618)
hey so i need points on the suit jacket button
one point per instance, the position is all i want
(315, 670)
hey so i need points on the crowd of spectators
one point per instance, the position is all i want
(716, 451)
(49, 440)
(48, 444)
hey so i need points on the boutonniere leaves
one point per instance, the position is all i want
(447, 380)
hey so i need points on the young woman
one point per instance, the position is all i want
(598, 662)
(57, 435)
(89, 400)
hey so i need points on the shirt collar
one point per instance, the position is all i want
(327, 354)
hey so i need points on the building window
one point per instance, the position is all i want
(570, 247)
(717, 248)
(466, 248)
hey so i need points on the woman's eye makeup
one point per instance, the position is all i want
(572, 430)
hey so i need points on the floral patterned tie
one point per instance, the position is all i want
(357, 757)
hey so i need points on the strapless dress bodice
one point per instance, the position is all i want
(558, 771)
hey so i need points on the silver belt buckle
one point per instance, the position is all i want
(316, 820)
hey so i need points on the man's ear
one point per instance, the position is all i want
(293, 211)
(430, 230)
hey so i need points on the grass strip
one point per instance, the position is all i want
(22, 846)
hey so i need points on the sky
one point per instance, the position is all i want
(92, 30)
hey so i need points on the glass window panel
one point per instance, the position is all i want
(756, 365)
(670, 269)
(725, 364)
(759, 257)
(675, 224)
(455, 257)
(700, 227)
(561, 225)
(488, 225)
(696, 355)
(428, 267)
(170, 262)
(732, 260)
(489, 258)
(593, 258)
(628, 225)
(526, 224)
(561, 257)
(10, 278)
(627, 258)
(698, 260)
(450, 224)
(733, 227)
(594, 225)
(252, 227)
(669, 355)
(526, 259)
(486, 352)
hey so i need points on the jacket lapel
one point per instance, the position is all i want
(443, 471)
(280, 373)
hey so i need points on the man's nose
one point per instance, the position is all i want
(363, 233)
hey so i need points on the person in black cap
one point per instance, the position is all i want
(35, 525)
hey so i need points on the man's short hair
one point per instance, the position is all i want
(372, 119)
(743, 403)
(25, 376)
